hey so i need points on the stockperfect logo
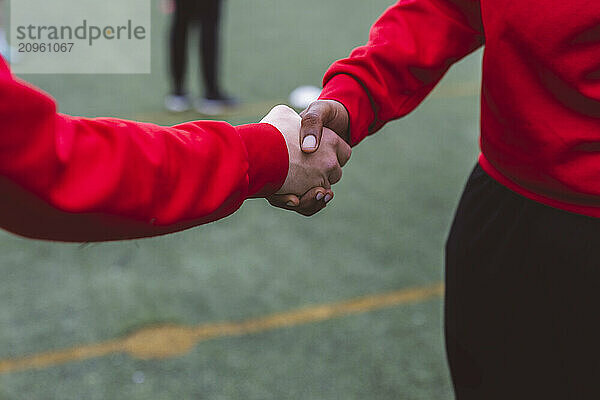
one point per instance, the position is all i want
(81, 36)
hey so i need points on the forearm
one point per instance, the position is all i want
(105, 179)
(410, 48)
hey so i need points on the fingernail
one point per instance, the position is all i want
(328, 198)
(290, 204)
(309, 142)
(320, 196)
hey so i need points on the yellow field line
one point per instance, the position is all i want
(172, 340)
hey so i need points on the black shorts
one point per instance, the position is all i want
(522, 307)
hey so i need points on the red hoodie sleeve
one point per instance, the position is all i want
(410, 48)
(77, 179)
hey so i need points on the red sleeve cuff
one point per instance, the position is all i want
(267, 158)
(346, 90)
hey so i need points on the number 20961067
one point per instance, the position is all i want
(45, 47)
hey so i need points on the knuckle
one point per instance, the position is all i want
(309, 212)
(315, 108)
(331, 165)
(311, 118)
(335, 176)
(281, 107)
(346, 156)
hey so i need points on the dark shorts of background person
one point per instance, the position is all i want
(207, 14)
(522, 297)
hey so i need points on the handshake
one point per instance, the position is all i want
(316, 154)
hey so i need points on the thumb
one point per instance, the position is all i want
(313, 119)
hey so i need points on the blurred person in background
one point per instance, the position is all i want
(523, 253)
(187, 14)
(94, 179)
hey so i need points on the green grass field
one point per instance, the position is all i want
(384, 231)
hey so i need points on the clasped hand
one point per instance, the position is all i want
(307, 187)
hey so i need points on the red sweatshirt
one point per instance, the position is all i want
(540, 111)
(78, 179)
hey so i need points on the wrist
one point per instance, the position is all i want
(344, 132)
(268, 160)
(353, 97)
